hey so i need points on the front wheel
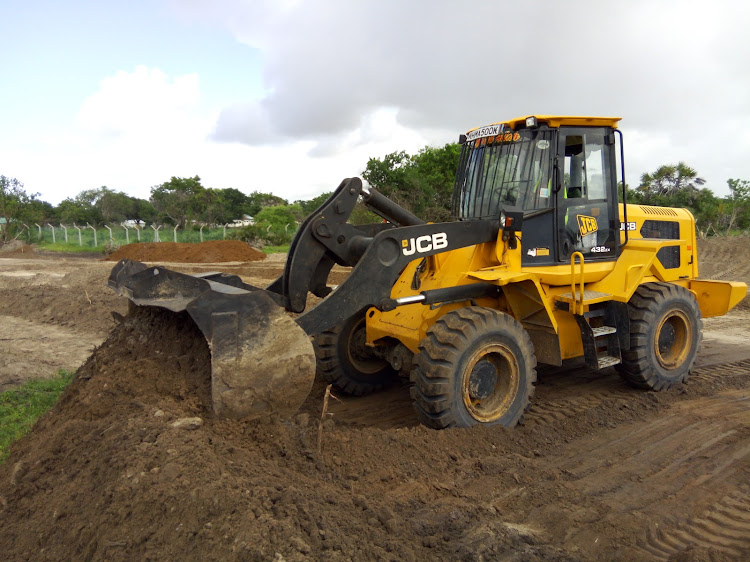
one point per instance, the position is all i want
(475, 366)
(665, 334)
(344, 359)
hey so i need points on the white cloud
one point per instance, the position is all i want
(144, 103)
(670, 69)
(345, 81)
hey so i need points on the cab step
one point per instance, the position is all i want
(601, 344)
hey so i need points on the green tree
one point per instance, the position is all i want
(143, 210)
(96, 207)
(257, 201)
(235, 204)
(669, 179)
(422, 183)
(17, 207)
(278, 224)
(179, 200)
(737, 205)
(311, 205)
(114, 206)
(73, 211)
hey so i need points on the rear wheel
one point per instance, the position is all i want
(344, 359)
(665, 334)
(475, 366)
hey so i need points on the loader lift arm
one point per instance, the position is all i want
(377, 253)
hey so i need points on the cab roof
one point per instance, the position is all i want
(555, 121)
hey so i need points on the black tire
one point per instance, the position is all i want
(475, 366)
(345, 361)
(665, 335)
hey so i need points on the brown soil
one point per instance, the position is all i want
(214, 251)
(16, 248)
(597, 471)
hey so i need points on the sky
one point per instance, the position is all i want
(291, 96)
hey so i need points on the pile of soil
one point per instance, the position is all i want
(131, 465)
(214, 251)
(16, 249)
(724, 258)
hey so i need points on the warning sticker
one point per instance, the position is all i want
(537, 252)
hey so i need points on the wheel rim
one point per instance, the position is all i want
(359, 354)
(490, 382)
(673, 339)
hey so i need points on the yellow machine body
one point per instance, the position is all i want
(546, 298)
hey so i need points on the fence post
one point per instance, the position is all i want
(25, 227)
(65, 230)
(78, 228)
(96, 242)
(201, 231)
(127, 234)
(156, 233)
(175, 232)
(224, 235)
(110, 234)
(138, 231)
(40, 231)
(53, 233)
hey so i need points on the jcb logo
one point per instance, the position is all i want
(425, 243)
(587, 225)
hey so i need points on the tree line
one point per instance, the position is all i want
(181, 202)
(421, 182)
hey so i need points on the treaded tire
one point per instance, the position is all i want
(343, 360)
(665, 336)
(475, 366)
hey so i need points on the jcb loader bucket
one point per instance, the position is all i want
(262, 362)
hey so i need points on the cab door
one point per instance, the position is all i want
(586, 197)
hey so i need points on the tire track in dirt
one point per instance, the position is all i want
(678, 473)
(724, 526)
(545, 412)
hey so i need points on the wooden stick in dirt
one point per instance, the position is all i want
(323, 417)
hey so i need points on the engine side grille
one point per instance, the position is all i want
(659, 211)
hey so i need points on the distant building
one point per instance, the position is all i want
(246, 220)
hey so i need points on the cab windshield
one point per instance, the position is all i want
(511, 168)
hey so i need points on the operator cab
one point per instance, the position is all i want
(559, 171)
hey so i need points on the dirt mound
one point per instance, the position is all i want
(108, 473)
(726, 258)
(214, 251)
(15, 249)
(131, 465)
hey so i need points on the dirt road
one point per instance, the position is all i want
(597, 471)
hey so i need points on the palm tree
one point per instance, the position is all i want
(670, 179)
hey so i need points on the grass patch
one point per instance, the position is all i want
(276, 249)
(20, 408)
(69, 248)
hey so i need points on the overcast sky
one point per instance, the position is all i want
(291, 96)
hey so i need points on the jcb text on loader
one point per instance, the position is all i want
(542, 264)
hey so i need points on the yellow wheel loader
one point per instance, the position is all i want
(542, 264)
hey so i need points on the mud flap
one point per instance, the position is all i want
(262, 362)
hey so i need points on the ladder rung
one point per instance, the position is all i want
(603, 331)
(607, 361)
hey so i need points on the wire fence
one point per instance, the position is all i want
(118, 235)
